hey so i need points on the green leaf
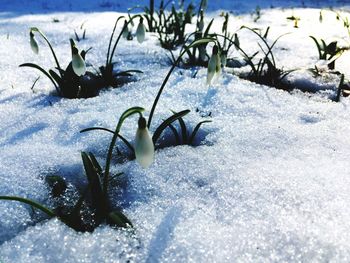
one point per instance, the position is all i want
(97, 195)
(32, 203)
(206, 32)
(195, 130)
(166, 123)
(318, 46)
(32, 65)
(127, 143)
(183, 130)
(119, 219)
(127, 73)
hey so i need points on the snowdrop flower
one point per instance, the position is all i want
(78, 62)
(214, 65)
(140, 31)
(144, 148)
(33, 44)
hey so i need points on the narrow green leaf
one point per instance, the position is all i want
(166, 123)
(119, 219)
(195, 130)
(32, 203)
(31, 65)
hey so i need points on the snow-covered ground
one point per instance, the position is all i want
(270, 181)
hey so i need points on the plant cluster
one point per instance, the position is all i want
(75, 81)
(93, 206)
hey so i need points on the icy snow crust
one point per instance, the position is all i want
(269, 181)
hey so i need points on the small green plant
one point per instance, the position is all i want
(177, 116)
(74, 81)
(295, 19)
(94, 199)
(257, 14)
(106, 73)
(171, 27)
(265, 71)
(182, 134)
(329, 52)
(344, 20)
(82, 35)
(197, 55)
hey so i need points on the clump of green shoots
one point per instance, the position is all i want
(265, 71)
(295, 19)
(329, 52)
(107, 73)
(94, 202)
(82, 35)
(171, 27)
(72, 82)
(187, 138)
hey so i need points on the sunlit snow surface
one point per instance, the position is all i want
(269, 181)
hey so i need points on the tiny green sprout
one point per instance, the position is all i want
(295, 19)
(140, 31)
(144, 147)
(33, 44)
(330, 52)
(78, 62)
(214, 65)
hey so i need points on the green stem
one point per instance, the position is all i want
(193, 44)
(50, 46)
(111, 38)
(109, 61)
(125, 115)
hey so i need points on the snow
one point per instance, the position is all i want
(269, 180)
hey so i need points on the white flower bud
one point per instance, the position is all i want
(33, 44)
(213, 65)
(78, 62)
(140, 31)
(144, 148)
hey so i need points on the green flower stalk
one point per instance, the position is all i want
(144, 147)
(125, 30)
(223, 57)
(78, 62)
(202, 52)
(33, 44)
(140, 31)
(214, 65)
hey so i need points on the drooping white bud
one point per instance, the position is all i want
(213, 65)
(144, 147)
(78, 62)
(140, 31)
(33, 44)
